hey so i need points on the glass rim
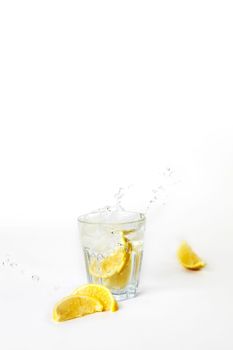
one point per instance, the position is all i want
(83, 219)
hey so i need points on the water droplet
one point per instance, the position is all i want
(13, 264)
(119, 195)
(35, 278)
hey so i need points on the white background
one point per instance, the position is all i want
(95, 95)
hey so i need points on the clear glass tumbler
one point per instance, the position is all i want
(112, 242)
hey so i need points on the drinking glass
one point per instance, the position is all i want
(112, 243)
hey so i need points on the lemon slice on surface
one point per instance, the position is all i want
(188, 258)
(111, 264)
(99, 292)
(75, 306)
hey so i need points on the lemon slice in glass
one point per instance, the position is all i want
(120, 279)
(111, 264)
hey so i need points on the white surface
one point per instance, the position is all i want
(96, 95)
(174, 308)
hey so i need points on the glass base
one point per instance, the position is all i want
(125, 294)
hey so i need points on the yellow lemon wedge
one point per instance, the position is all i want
(188, 258)
(111, 264)
(99, 292)
(120, 279)
(75, 306)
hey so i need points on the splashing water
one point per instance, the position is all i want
(158, 195)
(160, 192)
(35, 278)
(8, 262)
(110, 212)
(119, 195)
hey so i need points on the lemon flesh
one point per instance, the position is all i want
(188, 258)
(99, 292)
(111, 264)
(75, 306)
(120, 279)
